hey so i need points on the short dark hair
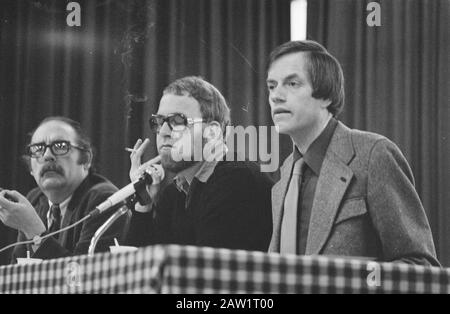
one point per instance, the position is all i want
(83, 140)
(212, 103)
(324, 71)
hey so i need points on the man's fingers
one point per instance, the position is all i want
(16, 196)
(133, 156)
(139, 148)
(4, 202)
(9, 199)
(135, 148)
(137, 144)
(157, 173)
(136, 156)
(150, 162)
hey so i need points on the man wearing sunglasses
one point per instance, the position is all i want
(210, 202)
(59, 158)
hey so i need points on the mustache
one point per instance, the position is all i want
(52, 167)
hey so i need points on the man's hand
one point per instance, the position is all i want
(17, 212)
(137, 169)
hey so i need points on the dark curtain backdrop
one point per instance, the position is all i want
(109, 73)
(397, 84)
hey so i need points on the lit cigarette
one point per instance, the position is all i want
(129, 149)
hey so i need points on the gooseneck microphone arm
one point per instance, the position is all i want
(136, 186)
(141, 196)
(100, 231)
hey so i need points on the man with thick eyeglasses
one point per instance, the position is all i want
(58, 148)
(59, 158)
(175, 121)
(211, 201)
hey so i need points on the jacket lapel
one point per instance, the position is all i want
(67, 220)
(334, 179)
(43, 205)
(278, 194)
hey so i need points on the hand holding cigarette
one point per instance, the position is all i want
(137, 152)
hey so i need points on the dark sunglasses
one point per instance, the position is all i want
(58, 148)
(176, 121)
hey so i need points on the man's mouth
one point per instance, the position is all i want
(278, 111)
(51, 171)
(165, 146)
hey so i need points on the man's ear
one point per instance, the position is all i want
(325, 103)
(212, 131)
(88, 162)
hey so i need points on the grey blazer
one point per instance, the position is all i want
(365, 203)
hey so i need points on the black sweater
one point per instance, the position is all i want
(231, 210)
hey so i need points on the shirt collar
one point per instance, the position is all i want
(62, 207)
(201, 170)
(315, 154)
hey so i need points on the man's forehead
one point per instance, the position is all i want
(53, 130)
(288, 65)
(185, 104)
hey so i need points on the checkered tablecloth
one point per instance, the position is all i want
(207, 270)
(187, 269)
(132, 272)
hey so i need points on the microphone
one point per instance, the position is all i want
(133, 187)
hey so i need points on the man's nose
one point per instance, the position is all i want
(165, 130)
(48, 154)
(277, 95)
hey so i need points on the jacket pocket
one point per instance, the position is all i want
(350, 209)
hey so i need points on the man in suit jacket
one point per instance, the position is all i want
(210, 202)
(59, 157)
(355, 193)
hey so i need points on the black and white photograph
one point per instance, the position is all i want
(215, 150)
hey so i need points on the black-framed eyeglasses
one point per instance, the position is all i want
(58, 148)
(176, 121)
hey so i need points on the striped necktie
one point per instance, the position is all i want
(55, 221)
(288, 241)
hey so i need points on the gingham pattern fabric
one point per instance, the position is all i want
(131, 272)
(208, 270)
(187, 269)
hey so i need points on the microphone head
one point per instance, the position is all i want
(156, 169)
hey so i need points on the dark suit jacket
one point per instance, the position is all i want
(232, 209)
(365, 203)
(91, 192)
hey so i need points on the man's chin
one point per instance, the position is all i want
(282, 128)
(50, 183)
(174, 166)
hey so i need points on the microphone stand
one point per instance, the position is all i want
(100, 231)
(140, 196)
